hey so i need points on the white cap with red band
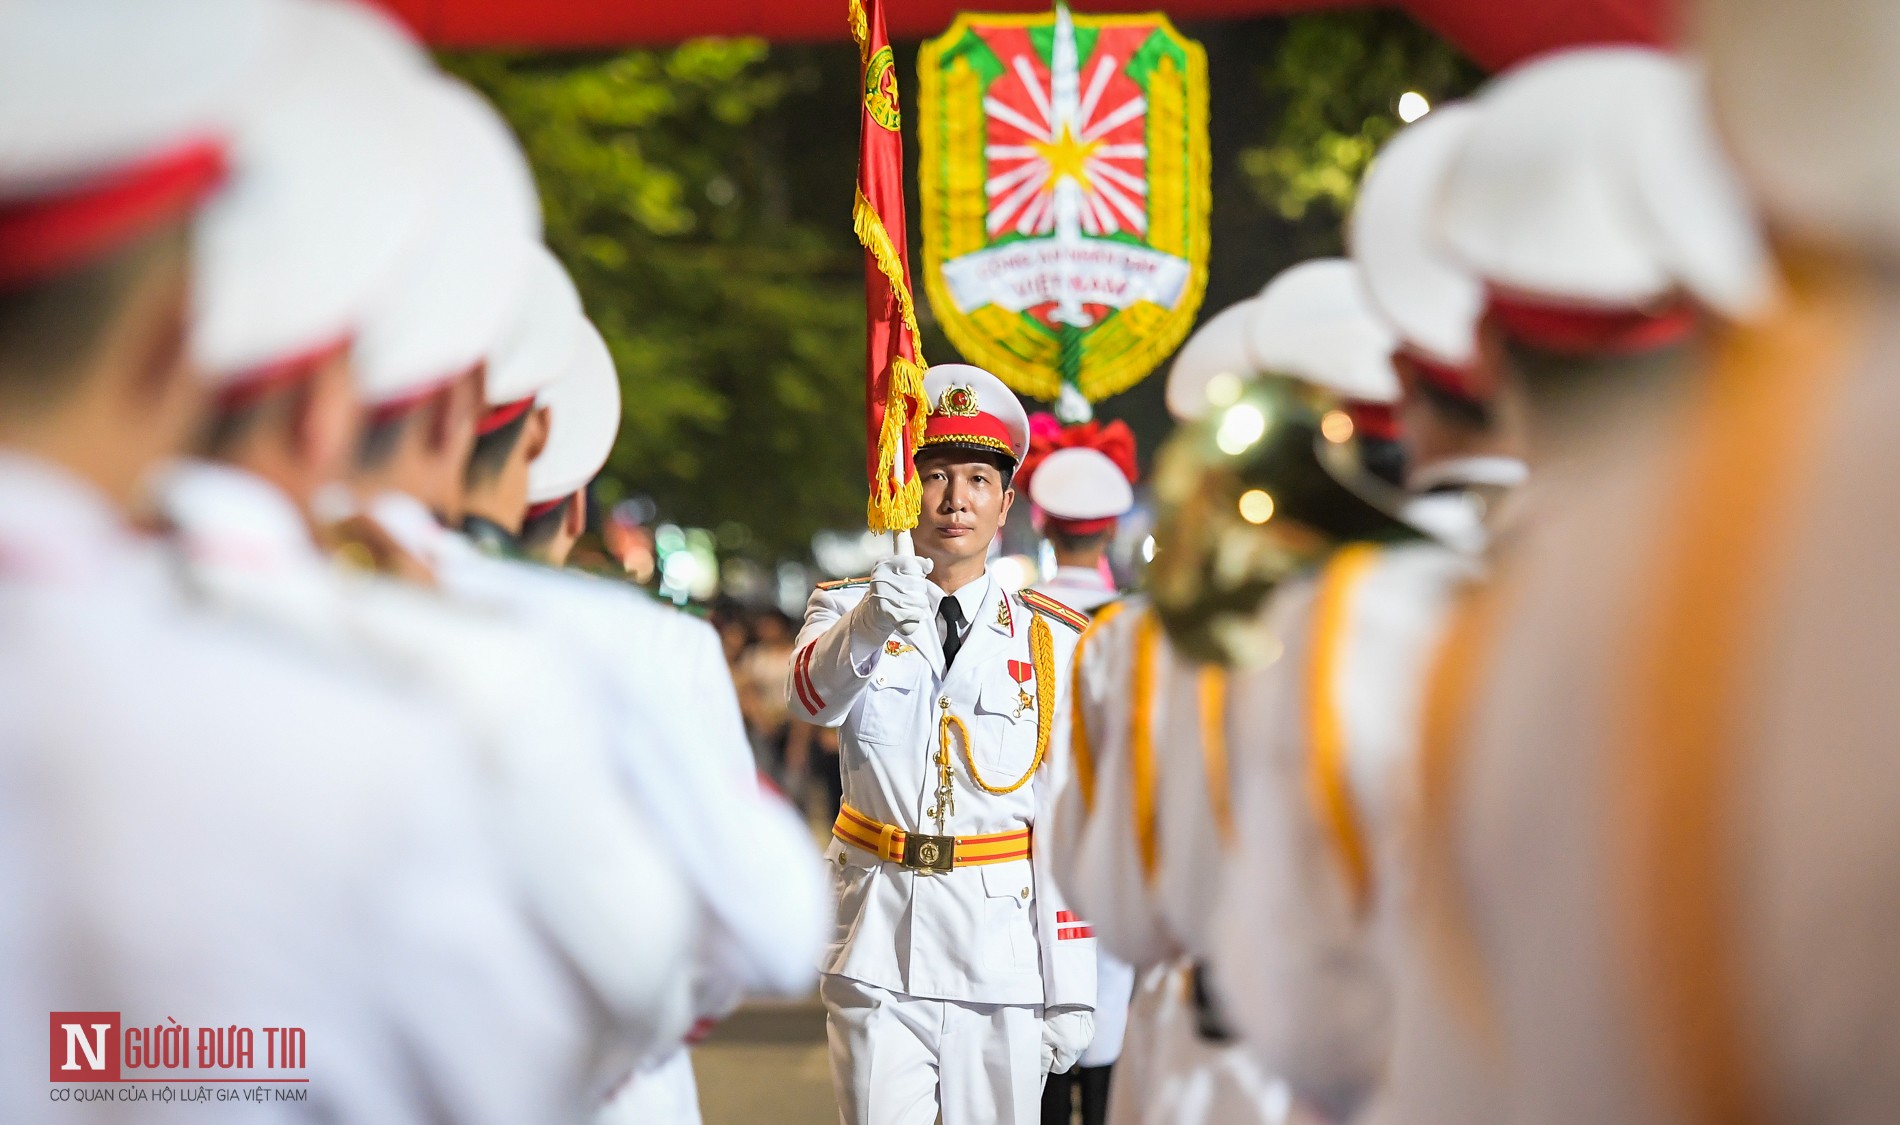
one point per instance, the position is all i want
(1432, 301)
(1592, 179)
(451, 298)
(114, 116)
(1313, 322)
(583, 419)
(542, 336)
(972, 409)
(328, 189)
(1081, 484)
(1217, 348)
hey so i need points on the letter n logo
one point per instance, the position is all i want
(85, 1046)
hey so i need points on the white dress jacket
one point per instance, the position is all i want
(993, 934)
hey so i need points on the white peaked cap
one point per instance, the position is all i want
(330, 185)
(583, 419)
(1593, 177)
(1218, 347)
(543, 334)
(998, 417)
(87, 86)
(1432, 302)
(1081, 484)
(451, 298)
(1807, 94)
(1313, 322)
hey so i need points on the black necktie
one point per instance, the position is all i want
(952, 614)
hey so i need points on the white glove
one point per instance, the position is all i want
(1066, 1032)
(898, 600)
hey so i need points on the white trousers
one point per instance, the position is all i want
(903, 1060)
(663, 1093)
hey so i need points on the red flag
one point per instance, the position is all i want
(894, 406)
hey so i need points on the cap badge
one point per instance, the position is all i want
(958, 401)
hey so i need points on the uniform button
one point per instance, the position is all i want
(840, 859)
(882, 680)
(1025, 892)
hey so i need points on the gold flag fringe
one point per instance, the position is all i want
(893, 507)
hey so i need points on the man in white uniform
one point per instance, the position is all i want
(1161, 818)
(1577, 764)
(286, 272)
(1082, 492)
(678, 745)
(957, 979)
(200, 824)
(1083, 485)
(583, 409)
(1307, 932)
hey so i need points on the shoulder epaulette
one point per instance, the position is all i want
(1049, 607)
(844, 582)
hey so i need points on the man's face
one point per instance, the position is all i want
(964, 505)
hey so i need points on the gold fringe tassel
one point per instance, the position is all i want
(893, 506)
(860, 31)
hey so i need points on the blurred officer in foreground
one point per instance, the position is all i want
(1307, 929)
(1081, 479)
(1591, 198)
(1729, 810)
(1759, 775)
(290, 267)
(956, 980)
(539, 348)
(444, 451)
(193, 807)
(1163, 813)
(583, 409)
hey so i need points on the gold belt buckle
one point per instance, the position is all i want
(932, 855)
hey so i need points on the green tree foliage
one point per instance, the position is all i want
(1336, 82)
(736, 324)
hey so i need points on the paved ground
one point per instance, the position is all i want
(766, 1065)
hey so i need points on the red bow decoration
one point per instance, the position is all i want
(1046, 435)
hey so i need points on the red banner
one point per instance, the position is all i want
(894, 405)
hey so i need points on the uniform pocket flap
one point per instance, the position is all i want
(1007, 880)
(886, 679)
(998, 697)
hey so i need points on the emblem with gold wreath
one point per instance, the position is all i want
(1065, 189)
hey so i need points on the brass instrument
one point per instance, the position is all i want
(1265, 486)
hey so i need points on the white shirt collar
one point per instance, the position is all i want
(54, 524)
(970, 597)
(237, 517)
